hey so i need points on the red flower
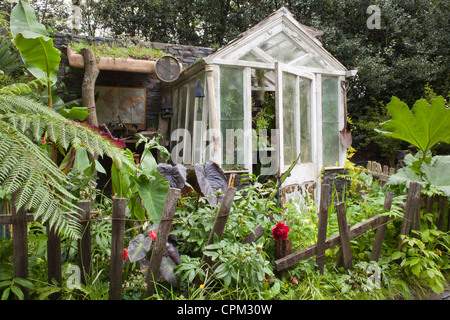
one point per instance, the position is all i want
(280, 231)
(152, 235)
(125, 254)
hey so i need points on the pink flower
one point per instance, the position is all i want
(152, 235)
(280, 231)
(125, 254)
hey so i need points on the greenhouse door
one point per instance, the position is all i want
(295, 117)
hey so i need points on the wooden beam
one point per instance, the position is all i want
(330, 242)
(254, 235)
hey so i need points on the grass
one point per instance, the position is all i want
(116, 51)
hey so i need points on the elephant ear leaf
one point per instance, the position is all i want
(174, 175)
(211, 179)
(423, 126)
(138, 247)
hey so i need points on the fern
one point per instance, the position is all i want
(25, 170)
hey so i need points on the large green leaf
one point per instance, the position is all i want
(33, 42)
(435, 173)
(40, 56)
(153, 193)
(24, 19)
(423, 126)
(438, 173)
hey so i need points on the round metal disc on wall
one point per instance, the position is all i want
(167, 68)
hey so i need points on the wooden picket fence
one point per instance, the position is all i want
(411, 221)
(379, 172)
(284, 257)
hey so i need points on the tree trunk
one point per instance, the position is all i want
(87, 89)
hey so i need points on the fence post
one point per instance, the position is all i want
(412, 206)
(84, 244)
(344, 236)
(54, 259)
(160, 243)
(441, 206)
(375, 255)
(221, 219)
(322, 229)
(117, 243)
(20, 244)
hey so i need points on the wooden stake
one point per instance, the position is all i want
(375, 255)
(412, 206)
(322, 229)
(344, 235)
(54, 259)
(160, 243)
(20, 244)
(117, 243)
(84, 244)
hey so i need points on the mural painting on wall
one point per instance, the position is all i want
(297, 193)
(121, 104)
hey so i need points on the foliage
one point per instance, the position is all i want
(117, 51)
(422, 258)
(143, 181)
(425, 125)
(237, 262)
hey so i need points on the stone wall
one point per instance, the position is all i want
(72, 77)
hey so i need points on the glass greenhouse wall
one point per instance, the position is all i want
(272, 95)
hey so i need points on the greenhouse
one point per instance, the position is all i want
(268, 97)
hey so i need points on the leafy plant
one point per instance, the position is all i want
(35, 46)
(208, 180)
(9, 284)
(422, 258)
(239, 263)
(425, 125)
(25, 168)
(143, 181)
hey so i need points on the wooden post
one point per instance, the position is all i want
(441, 206)
(322, 229)
(375, 255)
(54, 259)
(222, 215)
(412, 206)
(20, 244)
(84, 244)
(88, 85)
(283, 248)
(254, 235)
(221, 219)
(344, 235)
(117, 243)
(160, 243)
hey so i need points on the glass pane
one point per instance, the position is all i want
(232, 116)
(191, 106)
(330, 120)
(282, 48)
(182, 107)
(289, 125)
(250, 56)
(305, 120)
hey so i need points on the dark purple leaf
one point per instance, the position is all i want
(174, 175)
